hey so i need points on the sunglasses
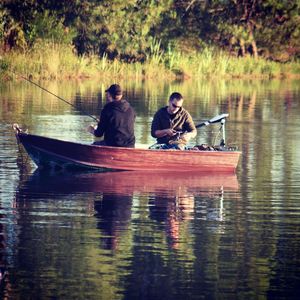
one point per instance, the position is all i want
(175, 106)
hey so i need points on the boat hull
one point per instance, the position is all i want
(53, 153)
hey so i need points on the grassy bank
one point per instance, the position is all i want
(51, 61)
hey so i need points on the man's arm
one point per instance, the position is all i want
(99, 131)
(157, 131)
(190, 128)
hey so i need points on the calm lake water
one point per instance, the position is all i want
(140, 236)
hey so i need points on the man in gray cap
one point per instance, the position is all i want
(116, 120)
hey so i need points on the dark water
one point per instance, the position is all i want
(153, 236)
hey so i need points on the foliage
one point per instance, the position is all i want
(11, 32)
(257, 27)
(128, 30)
(48, 26)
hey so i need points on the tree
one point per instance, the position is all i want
(127, 29)
(25, 21)
(256, 27)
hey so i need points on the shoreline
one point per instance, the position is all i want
(60, 63)
(82, 78)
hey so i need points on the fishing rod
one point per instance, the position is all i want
(215, 119)
(60, 98)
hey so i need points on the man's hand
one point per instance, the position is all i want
(170, 132)
(91, 129)
(165, 132)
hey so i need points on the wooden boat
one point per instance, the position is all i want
(53, 153)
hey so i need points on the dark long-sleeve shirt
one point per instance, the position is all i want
(117, 124)
(180, 121)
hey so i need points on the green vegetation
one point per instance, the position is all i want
(149, 38)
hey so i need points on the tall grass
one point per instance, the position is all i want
(47, 60)
(212, 64)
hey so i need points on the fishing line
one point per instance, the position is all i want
(60, 98)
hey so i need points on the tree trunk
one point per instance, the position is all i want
(243, 50)
(253, 42)
(254, 49)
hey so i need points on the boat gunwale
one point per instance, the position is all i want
(121, 149)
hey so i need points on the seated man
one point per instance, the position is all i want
(171, 120)
(116, 120)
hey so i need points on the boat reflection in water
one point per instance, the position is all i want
(110, 195)
(124, 182)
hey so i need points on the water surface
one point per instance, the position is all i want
(153, 236)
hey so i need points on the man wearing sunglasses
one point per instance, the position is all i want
(172, 125)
